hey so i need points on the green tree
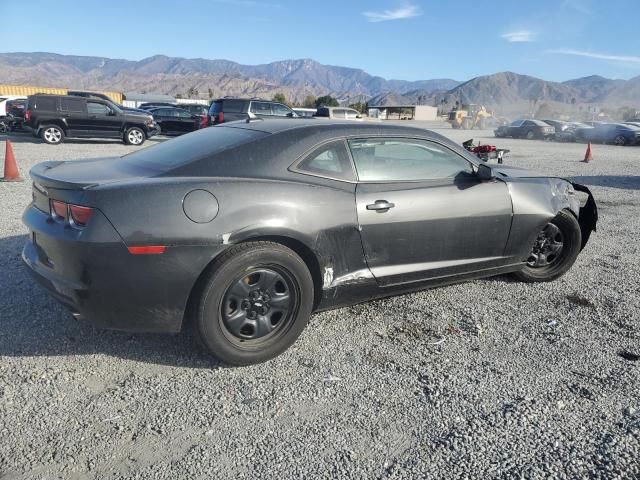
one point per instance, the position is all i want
(279, 97)
(210, 92)
(309, 101)
(359, 106)
(192, 92)
(178, 95)
(327, 101)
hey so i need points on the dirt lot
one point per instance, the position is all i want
(487, 379)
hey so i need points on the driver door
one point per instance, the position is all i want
(423, 213)
(103, 121)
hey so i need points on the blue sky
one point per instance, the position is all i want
(412, 39)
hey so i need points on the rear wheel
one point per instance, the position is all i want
(554, 251)
(620, 140)
(134, 136)
(254, 303)
(52, 134)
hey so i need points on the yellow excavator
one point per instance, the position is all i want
(469, 116)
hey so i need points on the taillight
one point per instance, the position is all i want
(77, 214)
(220, 117)
(80, 215)
(58, 209)
(27, 115)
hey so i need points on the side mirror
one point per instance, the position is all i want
(291, 114)
(358, 116)
(485, 172)
(111, 113)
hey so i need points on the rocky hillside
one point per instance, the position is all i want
(162, 74)
(296, 79)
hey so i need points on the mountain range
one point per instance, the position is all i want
(299, 78)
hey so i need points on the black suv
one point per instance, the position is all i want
(230, 109)
(54, 117)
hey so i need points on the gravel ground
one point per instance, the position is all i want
(487, 379)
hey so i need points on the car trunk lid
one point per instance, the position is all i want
(84, 174)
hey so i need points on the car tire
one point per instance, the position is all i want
(541, 267)
(253, 303)
(620, 141)
(134, 136)
(530, 135)
(52, 134)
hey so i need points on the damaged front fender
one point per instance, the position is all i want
(587, 215)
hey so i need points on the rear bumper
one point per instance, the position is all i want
(93, 274)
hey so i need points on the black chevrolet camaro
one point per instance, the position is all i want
(244, 230)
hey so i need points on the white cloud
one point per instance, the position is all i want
(598, 56)
(406, 11)
(519, 36)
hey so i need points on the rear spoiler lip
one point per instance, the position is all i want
(39, 176)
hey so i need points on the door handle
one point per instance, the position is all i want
(381, 206)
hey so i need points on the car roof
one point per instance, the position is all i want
(349, 128)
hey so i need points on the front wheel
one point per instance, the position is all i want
(554, 251)
(134, 136)
(620, 140)
(254, 303)
(531, 135)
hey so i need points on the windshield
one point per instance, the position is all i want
(189, 148)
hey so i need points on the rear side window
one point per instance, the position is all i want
(216, 107)
(232, 106)
(72, 105)
(45, 103)
(330, 160)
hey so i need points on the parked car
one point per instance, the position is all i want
(230, 109)
(195, 108)
(148, 105)
(530, 129)
(565, 131)
(3, 103)
(615, 133)
(79, 93)
(305, 112)
(338, 113)
(175, 121)
(14, 118)
(248, 227)
(54, 117)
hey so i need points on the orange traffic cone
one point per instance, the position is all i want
(11, 172)
(588, 155)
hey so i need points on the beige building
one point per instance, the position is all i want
(403, 112)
